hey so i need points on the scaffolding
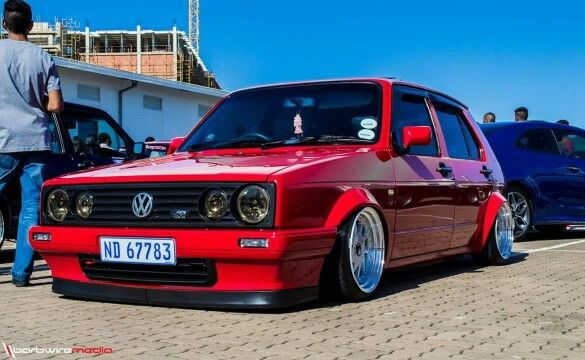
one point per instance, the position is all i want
(166, 54)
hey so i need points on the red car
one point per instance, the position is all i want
(279, 192)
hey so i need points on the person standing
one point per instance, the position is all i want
(489, 117)
(521, 114)
(28, 76)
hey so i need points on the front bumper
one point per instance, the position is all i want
(285, 274)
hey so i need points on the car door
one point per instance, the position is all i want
(469, 167)
(62, 159)
(425, 186)
(571, 142)
(547, 174)
(95, 139)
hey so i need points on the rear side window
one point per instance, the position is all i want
(412, 110)
(571, 143)
(540, 140)
(460, 142)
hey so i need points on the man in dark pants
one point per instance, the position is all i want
(27, 75)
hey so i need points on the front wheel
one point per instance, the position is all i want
(360, 262)
(521, 211)
(498, 248)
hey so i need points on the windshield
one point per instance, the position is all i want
(347, 112)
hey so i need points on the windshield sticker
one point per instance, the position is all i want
(298, 124)
(369, 123)
(366, 134)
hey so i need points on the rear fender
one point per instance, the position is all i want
(485, 220)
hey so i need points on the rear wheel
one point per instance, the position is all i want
(521, 208)
(360, 257)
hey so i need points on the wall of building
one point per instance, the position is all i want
(160, 65)
(179, 111)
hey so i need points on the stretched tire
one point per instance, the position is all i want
(498, 249)
(521, 206)
(359, 259)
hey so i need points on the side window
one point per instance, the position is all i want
(538, 140)
(411, 110)
(571, 143)
(93, 135)
(460, 142)
(56, 145)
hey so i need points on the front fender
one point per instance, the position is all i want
(348, 203)
(485, 220)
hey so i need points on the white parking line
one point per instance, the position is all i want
(531, 251)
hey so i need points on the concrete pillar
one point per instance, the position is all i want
(87, 43)
(175, 53)
(138, 49)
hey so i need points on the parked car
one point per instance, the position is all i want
(75, 146)
(279, 192)
(544, 166)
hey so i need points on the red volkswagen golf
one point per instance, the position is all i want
(279, 192)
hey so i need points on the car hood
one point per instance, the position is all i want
(250, 166)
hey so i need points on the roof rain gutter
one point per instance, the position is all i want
(121, 101)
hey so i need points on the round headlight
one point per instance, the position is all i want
(58, 205)
(84, 205)
(216, 204)
(253, 204)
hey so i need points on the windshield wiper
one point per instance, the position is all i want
(287, 142)
(310, 140)
(236, 143)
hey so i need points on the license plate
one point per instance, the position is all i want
(138, 250)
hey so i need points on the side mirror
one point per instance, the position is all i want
(175, 144)
(139, 149)
(415, 135)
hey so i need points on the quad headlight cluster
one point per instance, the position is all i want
(58, 205)
(252, 204)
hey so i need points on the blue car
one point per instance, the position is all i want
(544, 167)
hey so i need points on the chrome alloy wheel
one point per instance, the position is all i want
(504, 231)
(520, 212)
(366, 250)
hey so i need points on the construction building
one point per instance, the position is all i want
(166, 54)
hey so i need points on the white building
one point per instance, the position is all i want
(143, 105)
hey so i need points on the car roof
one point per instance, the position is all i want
(389, 80)
(69, 106)
(530, 124)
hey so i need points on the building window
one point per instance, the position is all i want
(153, 103)
(88, 92)
(203, 110)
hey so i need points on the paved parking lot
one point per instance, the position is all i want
(531, 309)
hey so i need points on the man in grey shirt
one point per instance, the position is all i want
(27, 76)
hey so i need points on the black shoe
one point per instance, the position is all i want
(20, 284)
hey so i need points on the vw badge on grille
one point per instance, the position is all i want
(142, 205)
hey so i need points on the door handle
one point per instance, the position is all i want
(444, 169)
(573, 169)
(485, 171)
(85, 164)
